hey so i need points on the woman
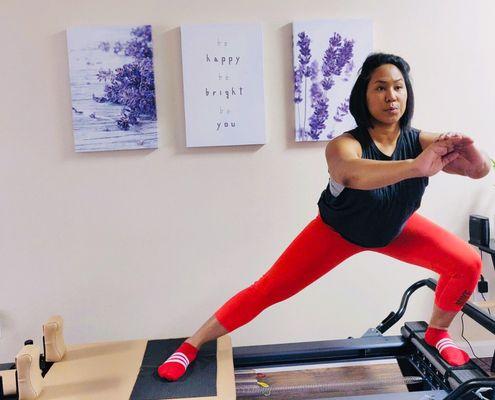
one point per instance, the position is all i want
(378, 174)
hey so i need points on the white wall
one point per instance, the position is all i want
(147, 244)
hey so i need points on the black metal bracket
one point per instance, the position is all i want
(393, 317)
(469, 309)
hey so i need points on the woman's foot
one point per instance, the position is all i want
(176, 365)
(440, 339)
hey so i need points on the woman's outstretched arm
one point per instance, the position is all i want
(471, 161)
(346, 166)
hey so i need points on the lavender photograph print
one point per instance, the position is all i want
(113, 88)
(327, 55)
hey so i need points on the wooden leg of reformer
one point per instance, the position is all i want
(29, 380)
(7, 383)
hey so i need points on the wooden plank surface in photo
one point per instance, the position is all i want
(352, 375)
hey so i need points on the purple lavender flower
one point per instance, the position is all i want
(304, 52)
(345, 54)
(315, 92)
(349, 67)
(317, 120)
(297, 85)
(102, 99)
(105, 46)
(123, 122)
(329, 58)
(142, 32)
(319, 103)
(133, 84)
(103, 75)
(118, 47)
(320, 113)
(313, 70)
(342, 111)
(140, 46)
(303, 71)
(336, 57)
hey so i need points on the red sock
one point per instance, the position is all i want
(176, 365)
(440, 339)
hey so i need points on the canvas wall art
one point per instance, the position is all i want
(327, 57)
(223, 84)
(113, 88)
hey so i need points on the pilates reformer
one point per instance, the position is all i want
(424, 373)
(126, 370)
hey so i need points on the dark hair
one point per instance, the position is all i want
(358, 104)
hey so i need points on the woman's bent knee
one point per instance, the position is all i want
(472, 269)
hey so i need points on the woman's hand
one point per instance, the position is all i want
(443, 152)
(470, 162)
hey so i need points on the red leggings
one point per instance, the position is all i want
(318, 249)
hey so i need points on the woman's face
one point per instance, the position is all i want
(386, 95)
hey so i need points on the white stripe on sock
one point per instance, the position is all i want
(178, 361)
(180, 358)
(440, 342)
(443, 340)
(183, 356)
(447, 346)
(441, 347)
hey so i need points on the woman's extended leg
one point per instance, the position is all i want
(314, 252)
(426, 244)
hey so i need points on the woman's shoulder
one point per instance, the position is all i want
(348, 140)
(352, 134)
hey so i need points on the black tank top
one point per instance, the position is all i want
(373, 218)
